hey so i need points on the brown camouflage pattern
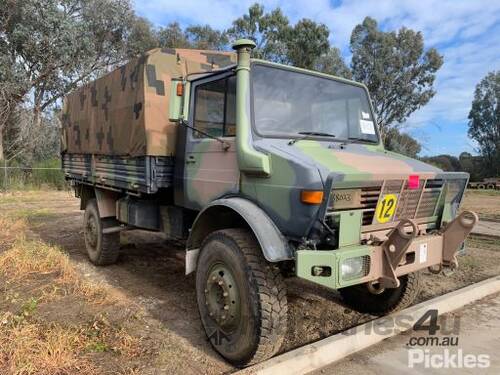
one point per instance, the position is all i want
(126, 111)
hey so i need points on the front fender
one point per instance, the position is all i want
(225, 213)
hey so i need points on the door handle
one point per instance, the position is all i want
(190, 159)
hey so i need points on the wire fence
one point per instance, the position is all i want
(47, 173)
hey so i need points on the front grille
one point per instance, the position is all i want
(419, 203)
(369, 199)
(416, 203)
(408, 201)
(429, 199)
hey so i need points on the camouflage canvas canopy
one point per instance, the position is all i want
(126, 111)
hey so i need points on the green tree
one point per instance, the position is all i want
(306, 42)
(484, 121)
(205, 37)
(142, 37)
(54, 45)
(402, 143)
(446, 162)
(472, 165)
(397, 71)
(48, 47)
(268, 31)
(172, 36)
(332, 63)
(197, 36)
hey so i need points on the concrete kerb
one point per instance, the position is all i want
(321, 353)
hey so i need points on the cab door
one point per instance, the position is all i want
(210, 163)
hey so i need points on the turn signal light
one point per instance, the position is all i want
(311, 196)
(180, 89)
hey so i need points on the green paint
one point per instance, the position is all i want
(191, 170)
(175, 105)
(306, 260)
(249, 160)
(327, 158)
(350, 227)
(274, 192)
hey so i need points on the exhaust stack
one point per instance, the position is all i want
(250, 160)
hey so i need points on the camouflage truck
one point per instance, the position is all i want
(264, 171)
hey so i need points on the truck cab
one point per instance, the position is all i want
(279, 171)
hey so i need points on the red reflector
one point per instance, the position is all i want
(413, 182)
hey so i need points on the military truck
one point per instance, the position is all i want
(264, 171)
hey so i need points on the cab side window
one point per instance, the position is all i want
(215, 108)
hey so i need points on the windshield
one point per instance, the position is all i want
(296, 105)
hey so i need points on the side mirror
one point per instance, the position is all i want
(176, 100)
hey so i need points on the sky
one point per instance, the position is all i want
(465, 32)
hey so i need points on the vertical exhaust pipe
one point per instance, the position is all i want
(250, 160)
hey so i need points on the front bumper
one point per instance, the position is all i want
(404, 251)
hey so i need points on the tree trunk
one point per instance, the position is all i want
(37, 118)
(1, 144)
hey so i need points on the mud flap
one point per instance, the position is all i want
(191, 259)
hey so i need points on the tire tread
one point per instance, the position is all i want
(269, 291)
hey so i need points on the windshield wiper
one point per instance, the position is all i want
(360, 139)
(307, 135)
(321, 134)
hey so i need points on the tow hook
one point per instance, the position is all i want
(394, 248)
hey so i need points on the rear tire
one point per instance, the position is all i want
(363, 299)
(102, 249)
(241, 298)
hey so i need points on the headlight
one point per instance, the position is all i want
(353, 268)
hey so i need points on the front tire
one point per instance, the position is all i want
(241, 298)
(367, 298)
(102, 249)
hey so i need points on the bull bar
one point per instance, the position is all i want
(404, 251)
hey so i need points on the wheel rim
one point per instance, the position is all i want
(222, 297)
(91, 229)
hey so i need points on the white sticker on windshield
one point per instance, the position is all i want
(365, 115)
(367, 126)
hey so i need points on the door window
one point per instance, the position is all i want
(215, 108)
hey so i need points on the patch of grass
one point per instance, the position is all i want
(29, 344)
(483, 192)
(35, 348)
(10, 229)
(468, 262)
(42, 174)
(19, 196)
(483, 242)
(29, 258)
(31, 214)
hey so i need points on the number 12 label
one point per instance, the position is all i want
(386, 208)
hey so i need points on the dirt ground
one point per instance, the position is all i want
(485, 202)
(150, 276)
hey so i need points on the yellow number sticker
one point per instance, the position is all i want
(386, 208)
